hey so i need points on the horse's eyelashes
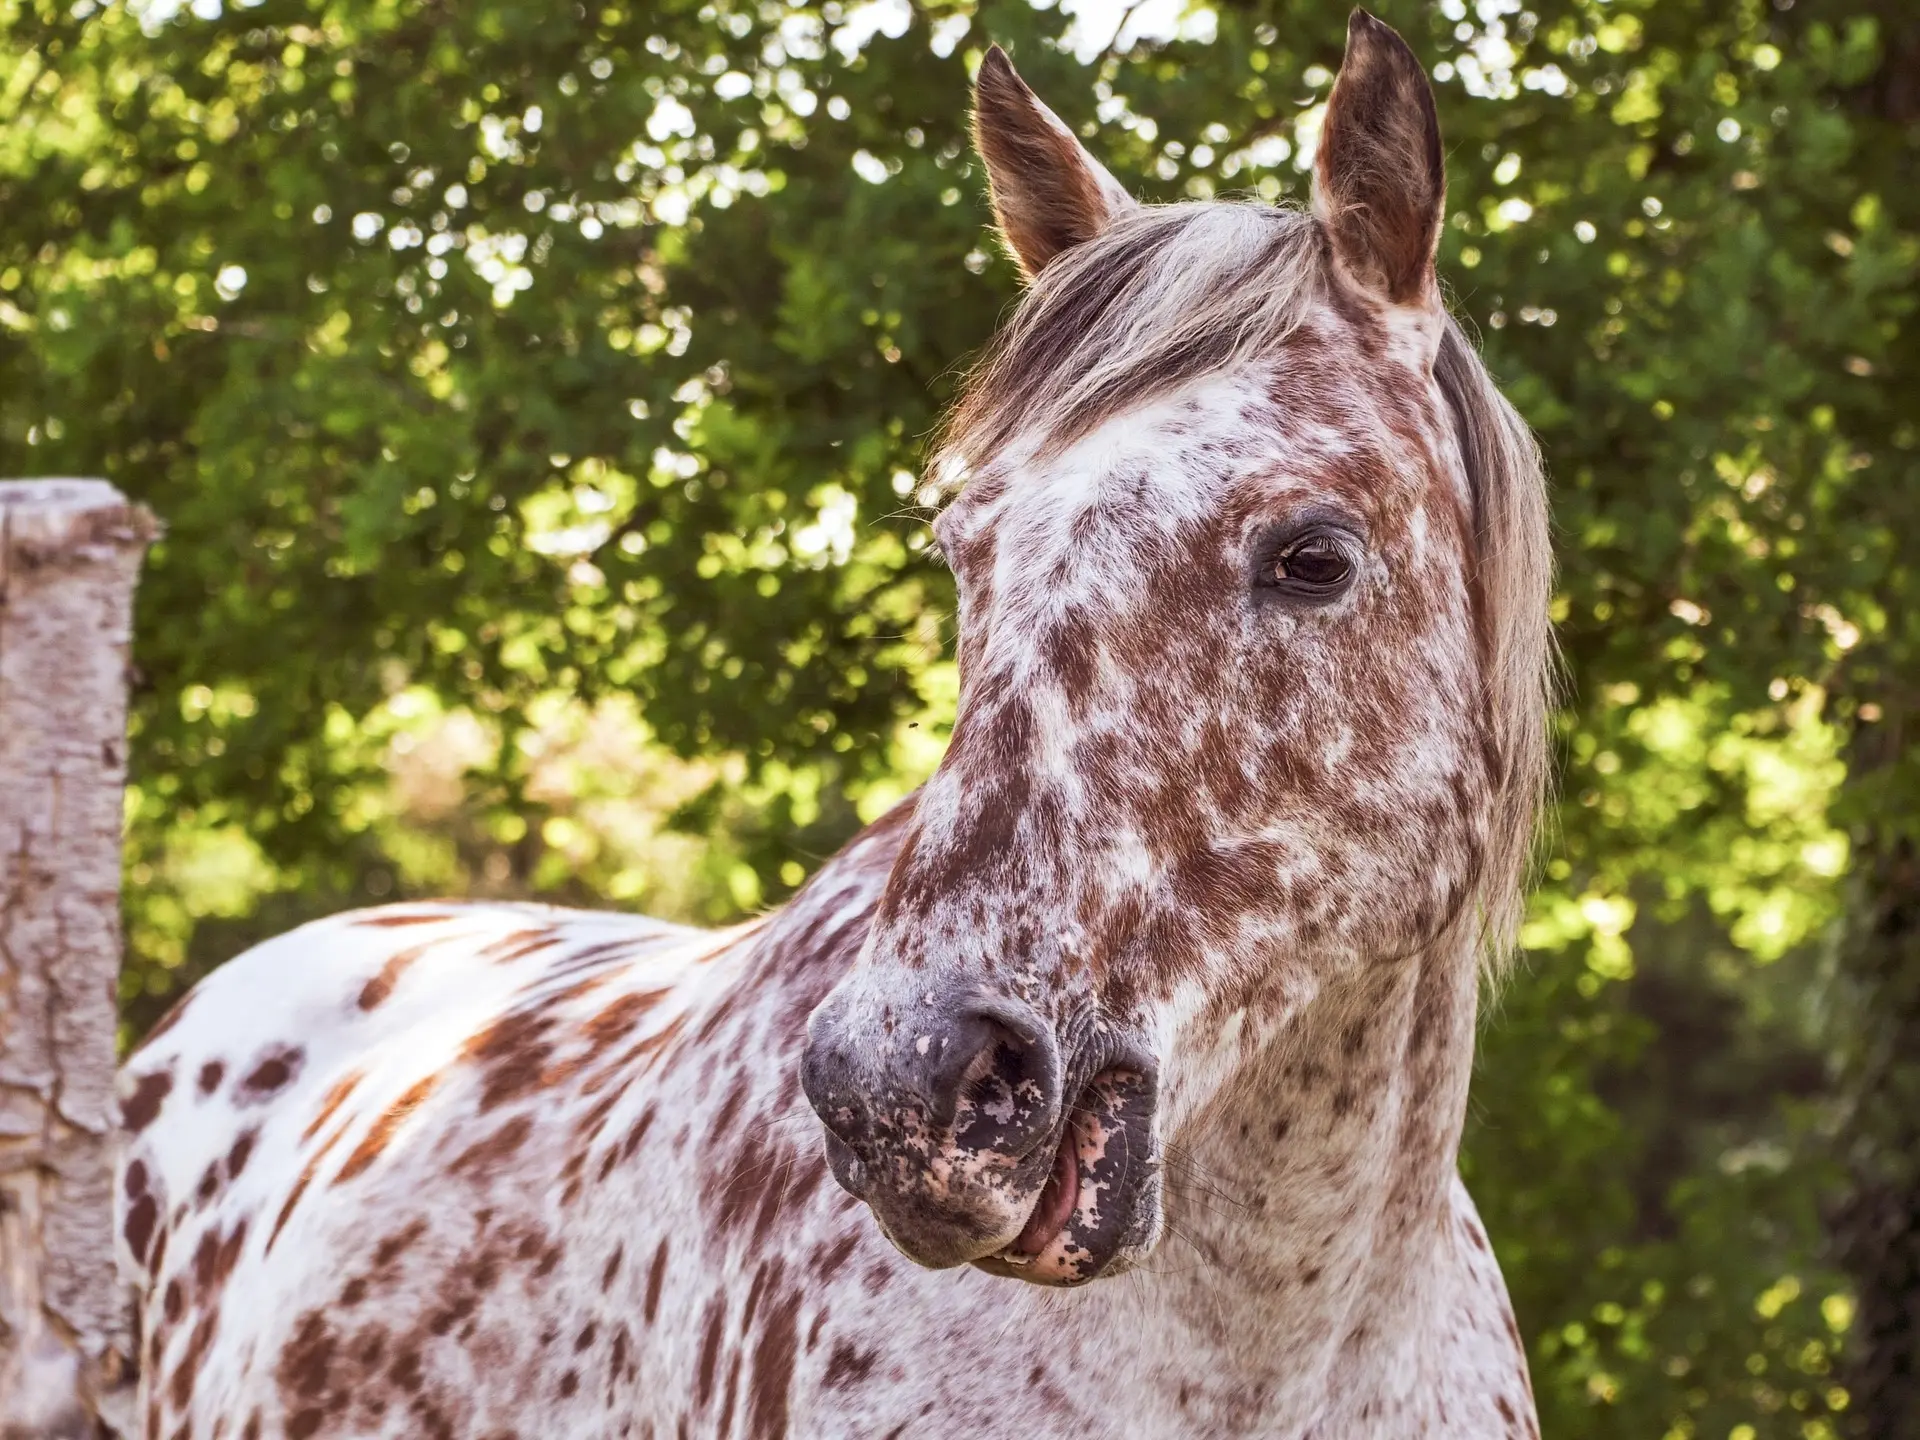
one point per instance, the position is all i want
(1312, 566)
(1317, 563)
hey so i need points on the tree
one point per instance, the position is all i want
(69, 551)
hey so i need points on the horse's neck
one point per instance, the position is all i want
(1312, 1205)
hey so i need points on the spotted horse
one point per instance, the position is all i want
(1159, 997)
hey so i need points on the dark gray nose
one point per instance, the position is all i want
(984, 1071)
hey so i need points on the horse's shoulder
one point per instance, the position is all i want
(297, 1035)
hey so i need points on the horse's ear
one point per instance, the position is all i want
(1379, 181)
(1049, 194)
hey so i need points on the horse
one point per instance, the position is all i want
(1110, 1086)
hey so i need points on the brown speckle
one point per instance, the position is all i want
(271, 1073)
(144, 1103)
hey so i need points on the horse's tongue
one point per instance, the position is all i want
(1058, 1197)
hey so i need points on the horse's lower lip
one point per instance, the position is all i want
(1055, 1205)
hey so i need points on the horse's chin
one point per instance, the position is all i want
(1098, 1213)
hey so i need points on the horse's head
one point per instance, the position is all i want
(1251, 638)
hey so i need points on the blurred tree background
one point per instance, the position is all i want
(534, 395)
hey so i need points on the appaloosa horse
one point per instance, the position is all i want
(1166, 981)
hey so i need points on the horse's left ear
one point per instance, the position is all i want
(1379, 181)
(1049, 194)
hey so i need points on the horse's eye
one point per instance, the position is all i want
(1314, 567)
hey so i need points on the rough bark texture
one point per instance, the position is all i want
(69, 554)
(1877, 1226)
(1876, 1014)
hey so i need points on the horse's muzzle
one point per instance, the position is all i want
(948, 1116)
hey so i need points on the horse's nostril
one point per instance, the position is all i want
(987, 1071)
(827, 1079)
(1000, 1086)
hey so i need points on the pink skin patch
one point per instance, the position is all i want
(1047, 1250)
(1059, 1198)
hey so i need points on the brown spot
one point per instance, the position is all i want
(847, 1367)
(293, 1199)
(773, 1371)
(211, 1075)
(271, 1073)
(486, 1155)
(753, 1294)
(511, 1053)
(214, 1259)
(336, 1097)
(391, 1248)
(725, 1423)
(836, 1256)
(619, 1018)
(376, 990)
(617, 1364)
(655, 1274)
(142, 1215)
(376, 1138)
(709, 1350)
(635, 1135)
(594, 1121)
(180, 1384)
(241, 1152)
(627, 1066)
(517, 944)
(144, 1103)
(386, 919)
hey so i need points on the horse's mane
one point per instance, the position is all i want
(1169, 294)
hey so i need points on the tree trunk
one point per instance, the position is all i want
(1877, 1226)
(1876, 1015)
(69, 553)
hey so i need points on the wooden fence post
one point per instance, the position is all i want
(70, 551)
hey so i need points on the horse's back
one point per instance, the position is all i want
(376, 1107)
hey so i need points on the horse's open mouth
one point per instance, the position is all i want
(1099, 1206)
(1057, 1201)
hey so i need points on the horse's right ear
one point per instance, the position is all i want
(1049, 194)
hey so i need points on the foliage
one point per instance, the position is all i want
(534, 395)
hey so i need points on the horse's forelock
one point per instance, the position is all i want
(1164, 295)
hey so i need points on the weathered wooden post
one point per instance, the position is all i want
(69, 554)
